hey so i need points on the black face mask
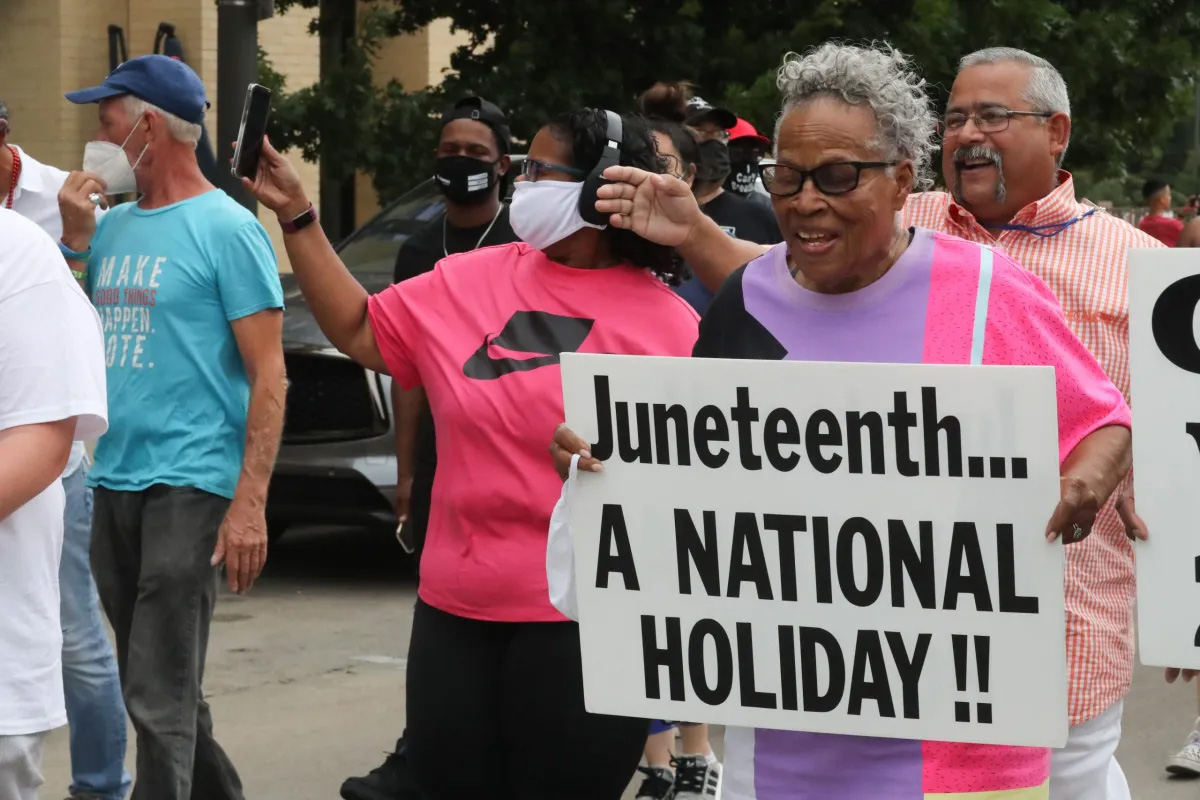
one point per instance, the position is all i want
(742, 176)
(714, 161)
(464, 180)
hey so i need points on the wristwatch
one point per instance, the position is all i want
(302, 220)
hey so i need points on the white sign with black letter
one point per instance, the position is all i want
(842, 548)
(1164, 367)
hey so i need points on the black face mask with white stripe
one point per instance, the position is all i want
(464, 180)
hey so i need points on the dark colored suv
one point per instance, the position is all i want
(337, 463)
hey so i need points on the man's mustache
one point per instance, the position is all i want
(973, 152)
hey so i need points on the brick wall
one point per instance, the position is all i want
(295, 55)
(30, 31)
(83, 61)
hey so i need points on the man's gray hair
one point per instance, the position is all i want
(1046, 91)
(181, 130)
(878, 77)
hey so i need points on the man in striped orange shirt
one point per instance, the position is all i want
(1006, 130)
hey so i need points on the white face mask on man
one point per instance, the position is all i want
(108, 162)
(545, 212)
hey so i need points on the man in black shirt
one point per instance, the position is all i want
(471, 167)
(736, 215)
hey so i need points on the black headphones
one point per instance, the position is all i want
(611, 157)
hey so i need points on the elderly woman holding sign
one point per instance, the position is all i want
(855, 137)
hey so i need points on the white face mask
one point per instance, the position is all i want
(108, 162)
(545, 212)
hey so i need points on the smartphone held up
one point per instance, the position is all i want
(253, 128)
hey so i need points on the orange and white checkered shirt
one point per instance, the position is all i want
(1085, 267)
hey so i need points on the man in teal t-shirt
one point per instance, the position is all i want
(188, 293)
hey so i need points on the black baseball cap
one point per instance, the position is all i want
(481, 110)
(161, 81)
(700, 110)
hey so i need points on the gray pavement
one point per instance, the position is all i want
(306, 678)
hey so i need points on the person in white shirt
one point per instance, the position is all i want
(92, 685)
(52, 392)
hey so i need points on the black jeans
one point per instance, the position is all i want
(151, 553)
(495, 710)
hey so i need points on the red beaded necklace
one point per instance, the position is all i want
(16, 174)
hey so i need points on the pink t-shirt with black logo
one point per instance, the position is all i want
(482, 333)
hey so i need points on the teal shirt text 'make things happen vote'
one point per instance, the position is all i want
(167, 283)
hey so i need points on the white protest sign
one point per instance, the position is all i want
(841, 548)
(1164, 367)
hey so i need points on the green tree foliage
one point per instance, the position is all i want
(1129, 64)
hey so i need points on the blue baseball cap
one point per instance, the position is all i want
(161, 81)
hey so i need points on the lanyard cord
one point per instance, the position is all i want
(446, 250)
(1045, 231)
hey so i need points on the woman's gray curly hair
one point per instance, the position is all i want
(877, 76)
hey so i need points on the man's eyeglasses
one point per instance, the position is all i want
(836, 178)
(989, 120)
(532, 170)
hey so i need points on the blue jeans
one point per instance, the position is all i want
(95, 710)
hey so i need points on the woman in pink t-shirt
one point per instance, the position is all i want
(490, 658)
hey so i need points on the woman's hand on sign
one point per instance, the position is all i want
(1135, 527)
(567, 444)
(277, 186)
(1171, 673)
(1076, 512)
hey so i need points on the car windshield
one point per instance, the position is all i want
(373, 247)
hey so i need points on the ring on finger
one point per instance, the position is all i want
(1076, 532)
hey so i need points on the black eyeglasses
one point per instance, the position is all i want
(836, 178)
(532, 170)
(989, 120)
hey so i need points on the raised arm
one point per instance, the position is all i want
(662, 209)
(337, 300)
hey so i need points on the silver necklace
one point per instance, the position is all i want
(446, 250)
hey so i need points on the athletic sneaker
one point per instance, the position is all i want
(389, 781)
(1187, 761)
(697, 778)
(658, 785)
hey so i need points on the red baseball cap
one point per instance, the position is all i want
(744, 130)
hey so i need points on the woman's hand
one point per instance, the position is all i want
(1076, 511)
(1090, 474)
(658, 208)
(567, 444)
(277, 186)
